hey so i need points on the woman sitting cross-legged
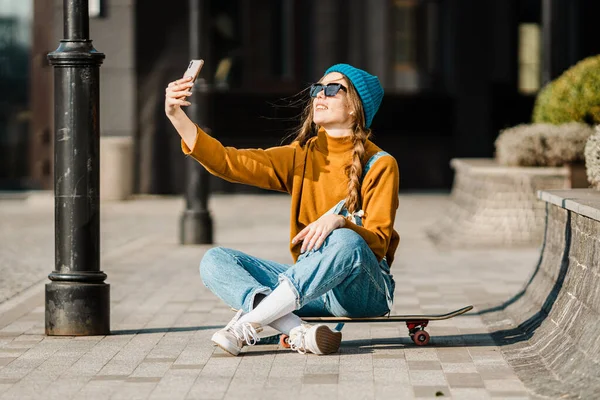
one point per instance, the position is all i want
(344, 198)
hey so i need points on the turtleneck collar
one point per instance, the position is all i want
(333, 145)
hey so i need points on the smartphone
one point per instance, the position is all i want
(193, 69)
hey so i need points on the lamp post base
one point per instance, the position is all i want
(196, 227)
(77, 309)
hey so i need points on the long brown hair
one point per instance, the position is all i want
(360, 134)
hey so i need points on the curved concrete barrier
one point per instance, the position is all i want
(549, 332)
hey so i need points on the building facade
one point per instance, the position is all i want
(455, 73)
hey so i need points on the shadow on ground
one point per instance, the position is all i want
(142, 331)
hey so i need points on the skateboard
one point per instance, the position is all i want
(416, 324)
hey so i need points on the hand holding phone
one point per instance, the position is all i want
(177, 92)
(193, 69)
(176, 95)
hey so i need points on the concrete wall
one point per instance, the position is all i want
(552, 340)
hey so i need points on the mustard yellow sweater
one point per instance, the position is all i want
(315, 177)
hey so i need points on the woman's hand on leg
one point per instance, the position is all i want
(314, 234)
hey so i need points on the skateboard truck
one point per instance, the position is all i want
(417, 332)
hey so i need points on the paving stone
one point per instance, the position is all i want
(313, 390)
(459, 368)
(32, 358)
(469, 393)
(64, 388)
(175, 384)
(319, 379)
(424, 365)
(391, 376)
(430, 391)
(291, 382)
(243, 391)
(509, 395)
(130, 390)
(397, 362)
(495, 371)
(420, 354)
(6, 360)
(394, 392)
(464, 380)
(356, 390)
(5, 385)
(209, 387)
(100, 389)
(322, 369)
(187, 366)
(154, 369)
(109, 378)
(454, 355)
(504, 385)
(427, 378)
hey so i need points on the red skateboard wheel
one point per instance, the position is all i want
(283, 341)
(421, 338)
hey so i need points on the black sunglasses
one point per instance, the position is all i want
(331, 89)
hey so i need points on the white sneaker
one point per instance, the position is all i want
(317, 339)
(235, 336)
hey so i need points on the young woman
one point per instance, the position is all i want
(344, 199)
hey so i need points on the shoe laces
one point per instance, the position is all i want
(247, 333)
(297, 342)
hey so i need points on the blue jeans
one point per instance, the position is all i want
(342, 278)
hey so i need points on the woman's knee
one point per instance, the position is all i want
(345, 237)
(212, 262)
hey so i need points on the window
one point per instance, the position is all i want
(529, 57)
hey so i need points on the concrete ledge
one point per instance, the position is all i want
(489, 166)
(585, 202)
(555, 319)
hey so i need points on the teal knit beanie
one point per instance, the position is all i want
(368, 87)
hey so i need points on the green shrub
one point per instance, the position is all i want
(542, 109)
(536, 145)
(592, 159)
(573, 96)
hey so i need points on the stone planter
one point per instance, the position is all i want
(494, 205)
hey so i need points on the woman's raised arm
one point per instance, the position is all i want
(268, 169)
(175, 98)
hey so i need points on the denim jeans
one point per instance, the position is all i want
(342, 278)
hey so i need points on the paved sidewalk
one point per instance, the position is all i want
(162, 316)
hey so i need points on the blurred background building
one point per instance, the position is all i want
(455, 72)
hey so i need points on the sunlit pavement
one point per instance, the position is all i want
(162, 316)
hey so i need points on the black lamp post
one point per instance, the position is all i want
(196, 222)
(77, 299)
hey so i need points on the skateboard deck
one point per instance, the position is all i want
(391, 318)
(415, 323)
